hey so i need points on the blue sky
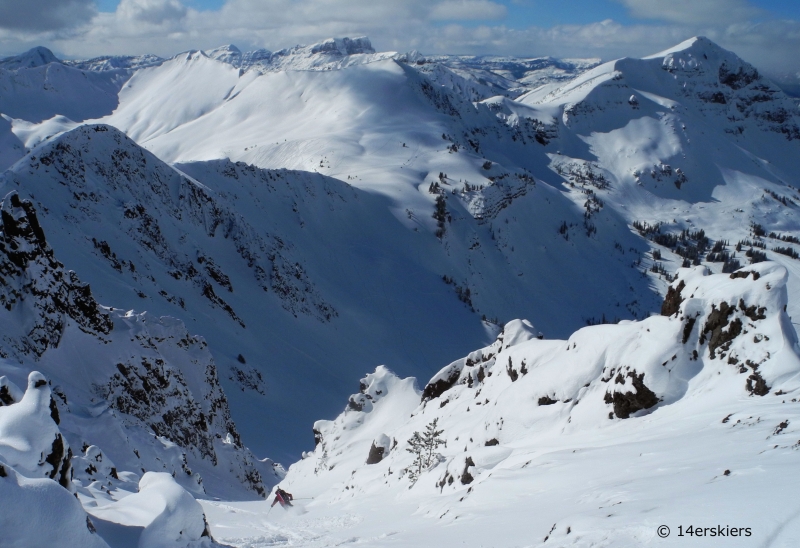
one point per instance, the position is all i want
(764, 32)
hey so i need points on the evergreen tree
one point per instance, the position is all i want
(423, 447)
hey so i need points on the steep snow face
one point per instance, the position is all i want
(30, 269)
(39, 512)
(575, 440)
(141, 388)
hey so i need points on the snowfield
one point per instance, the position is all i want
(582, 280)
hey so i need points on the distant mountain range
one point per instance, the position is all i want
(315, 212)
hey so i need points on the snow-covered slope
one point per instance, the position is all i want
(686, 418)
(36, 86)
(137, 390)
(39, 512)
(691, 139)
(316, 211)
(508, 76)
(36, 57)
(270, 260)
(506, 201)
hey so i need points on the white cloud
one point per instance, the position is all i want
(692, 11)
(156, 12)
(43, 15)
(467, 10)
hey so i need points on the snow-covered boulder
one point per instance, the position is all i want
(379, 449)
(94, 465)
(30, 440)
(39, 512)
(169, 517)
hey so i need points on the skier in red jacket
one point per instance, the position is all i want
(282, 497)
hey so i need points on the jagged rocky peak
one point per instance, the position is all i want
(35, 57)
(343, 46)
(699, 54)
(227, 54)
(697, 75)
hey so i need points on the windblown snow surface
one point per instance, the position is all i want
(262, 228)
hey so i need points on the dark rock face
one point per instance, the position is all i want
(752, 312)
(5, 396)
(440, 386)
(60, 458)
(375, 454)
(54, 411)
(145, 386)
(673, 300)
(687, 329)
(52, 296)
(546, 400)
(756, 385)
(630, 402)
(713, 330)
(355, 405)
(157, 393)
(466, 477)
(742, 77)
(745, 274)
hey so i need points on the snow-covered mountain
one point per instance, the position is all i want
(319, 210)
(276, 257)
(514, 185)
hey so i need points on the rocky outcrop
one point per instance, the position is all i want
(34, 284)
(161, 380)
(97, 171)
